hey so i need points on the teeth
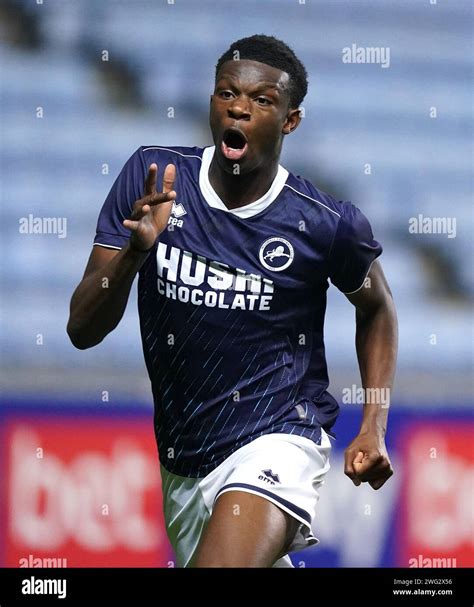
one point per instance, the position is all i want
(233, 153)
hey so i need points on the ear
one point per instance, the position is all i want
(292, 120)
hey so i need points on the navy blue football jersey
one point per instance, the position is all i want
(232, 305)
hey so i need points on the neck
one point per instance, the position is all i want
(238, 190)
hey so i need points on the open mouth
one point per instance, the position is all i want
(234, 144)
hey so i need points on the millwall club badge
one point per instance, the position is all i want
(276, 254)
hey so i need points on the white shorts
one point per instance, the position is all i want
(285, 469)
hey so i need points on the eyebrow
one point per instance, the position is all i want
(262, 86)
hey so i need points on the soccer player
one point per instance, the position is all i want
(234, 256)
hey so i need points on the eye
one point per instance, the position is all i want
(225, 94)
(263, 101)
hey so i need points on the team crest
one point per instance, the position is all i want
(276, 254)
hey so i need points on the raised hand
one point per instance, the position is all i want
(151, 213)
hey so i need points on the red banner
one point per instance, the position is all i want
(436, 527)
(83, 493)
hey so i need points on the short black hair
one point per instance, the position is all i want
(273, 52)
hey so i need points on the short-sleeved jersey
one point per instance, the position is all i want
(232, 305)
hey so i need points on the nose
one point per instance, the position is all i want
(240, 109)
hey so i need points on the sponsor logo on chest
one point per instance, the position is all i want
(195, 279)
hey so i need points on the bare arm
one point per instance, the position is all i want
(99, 301)
(366, 458)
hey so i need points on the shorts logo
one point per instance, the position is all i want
(269, 477)
(276, 254)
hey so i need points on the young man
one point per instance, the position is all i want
(234, 258)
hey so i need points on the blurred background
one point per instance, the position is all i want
(83, 84)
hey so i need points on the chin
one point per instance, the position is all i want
(228, 165)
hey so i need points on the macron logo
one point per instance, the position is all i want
(269, 477)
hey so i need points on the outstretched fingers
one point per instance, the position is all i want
(150, 181)
(169, 178)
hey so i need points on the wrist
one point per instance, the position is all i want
(136, 249)
(373, 425)
(374, 419)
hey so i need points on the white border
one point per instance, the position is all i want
(248, 210)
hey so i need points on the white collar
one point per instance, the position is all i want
(248, 210)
